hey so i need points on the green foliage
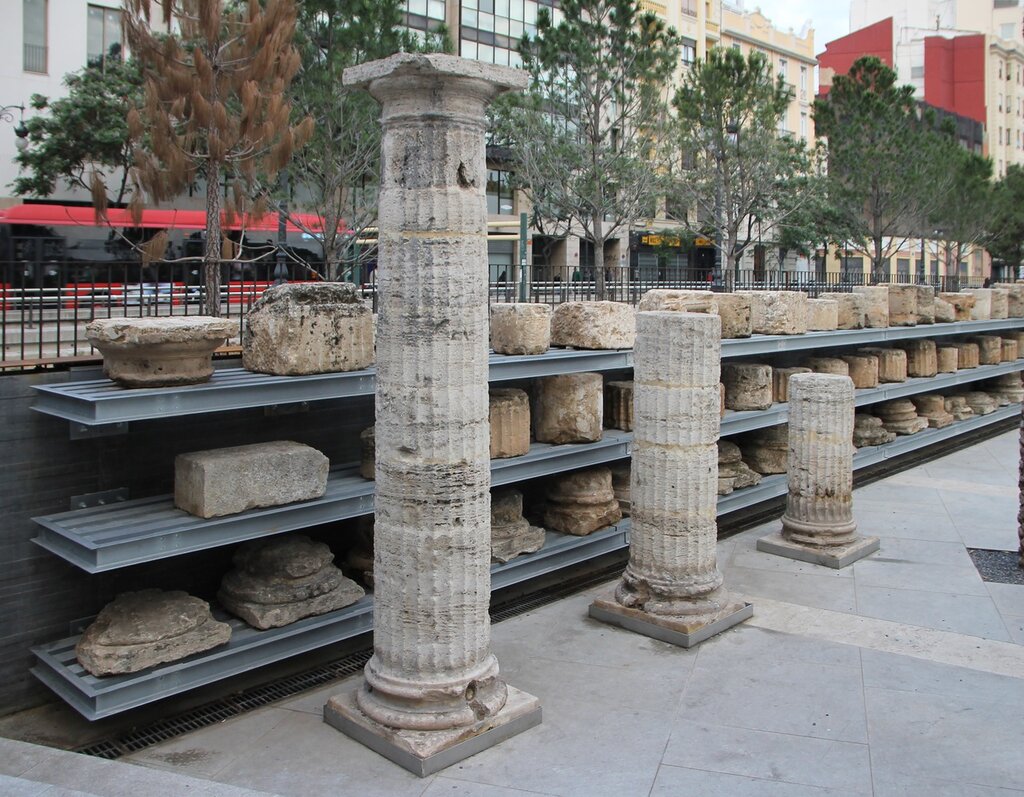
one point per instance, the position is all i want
(83, 132)
(962, 215)
(1006, 243)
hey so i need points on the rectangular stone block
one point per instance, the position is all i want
(982, 310)
(1000, 303)
(777, 312)
(670, 299)
(593, 325)
(734, 310)
(1014, 298)
(822, 315)
(925, 304)
(851, 309)
(224, 481)
(902, 305)
(963, 304)
(876, 308)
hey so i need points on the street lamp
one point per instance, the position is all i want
(7, 115)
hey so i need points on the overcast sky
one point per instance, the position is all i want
(829, 18)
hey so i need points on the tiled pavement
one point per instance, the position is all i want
(901, 675)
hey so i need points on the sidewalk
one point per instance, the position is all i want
(901, 675)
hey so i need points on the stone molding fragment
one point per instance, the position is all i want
(947, 359)
(922, 357)
(748, 386)
(509, 420)
(733, 472)
(618, 405)
(957, 407)
(900, 416)
(777, 312)
(520, 328)
(511, 533)
(780, 381)
(1007, 387)
(683, 301)
(593, 325)
(1010, 350)
(869, 431)
(278, 581)
(863, 369)
(968, 354)
(582, 502)
(159, 352)
(876, 308)
(1014, 298)
(852, 309)
(366, 452)
(734, 309)
(990, 349)
(980, 402)
(943, 312)
(766, 450)
(225, 481)
(925, 304)
(892, 363)
(568, 408)
(822, 315)
(308, 328)
(902, 305)
(932, 407)
(963, 303)
(138, 630)
(828, 365)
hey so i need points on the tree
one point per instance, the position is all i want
(962, 216)
(739, 171)
(1006, 243)
(215, 108)
(84, 132)
(587, 140)
(885, 163)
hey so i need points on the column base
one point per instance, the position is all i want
(834, 556)
(426, 752)
(674, 630)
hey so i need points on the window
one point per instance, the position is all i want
(103, 35)
(1006, 31)
(736, 46)
(499, 193)
(34, 13)
(803, 126)
(689, 52)
(903, 266)
(783, 64)
(803, 81)
(916, 72)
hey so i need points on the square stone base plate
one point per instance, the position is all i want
(426, 752)
(836, 557)
(667, 629)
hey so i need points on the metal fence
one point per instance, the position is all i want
(45, 307)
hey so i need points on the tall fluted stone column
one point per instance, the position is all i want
(818, 524)
(432, 693)
(672, 588)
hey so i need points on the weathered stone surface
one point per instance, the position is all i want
(922, 357)
(765, 450)
(224, 481)
(967, 355)
(156, 352)
(990, 349)
(511, 533)
(1019, 337)
(863, 369)
(957, 407)
(748, 386)
(520, 328)
(509, 416)
(620, 486)
(670, 299)
(308, 328)
(582, 502)
(925, 304)
(777, 312)
(1007, 387)
(869, 431)
(618, 405)
(981, 403)
(721, 400)
(982, 310)
(892, 363)
(733, 472)
(876, 304)
(932, 407)
(1010, 350)
(822, 315)
(359, 558)
(900, 416)
(142, 629)
(568, 408)
(902, 305)
(1000, 302)
(734, 310)
(593, 325)
(943, 312)
(963, 303)
(780, 381)
(1014, 298)
(280, 580)
(366, 452)
(828, 365)
(947, 359)
(852, 309)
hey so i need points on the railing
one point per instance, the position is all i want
(35, 58)
(44, 308)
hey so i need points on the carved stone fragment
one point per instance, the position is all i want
(902, 305)
(967, 355)
(593, 325)
(568, 408)
(852, 309)
(982, 310)
(900, 416)
(511, 533)
(582, 502)
(1014, 298)
(932, 407)
(863, 369)
(925, 304)
(1010, 350)
(618, 405)
(520, 328)
(990, 349)
(963, 303)
(944, 313)
(780, 381)
(892, 363)
(981, 403)
(734, 310)
(828, 365)
(1000, 302)
(509, 417)
(765, 450)
(822, 315)
(869, 431)
(1007, 387)
(876, 308)
(777, 312)
(748, 386)
(947, 359)
(671, 299)
(957, 407)
(733, 472)
(922, 357)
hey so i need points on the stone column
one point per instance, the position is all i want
(672, 588)
(818, 524)
(432, 694)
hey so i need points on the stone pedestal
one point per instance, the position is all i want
(982, 310)
(900, 416)
(869, 431)
(733, 472)
(876, 304)
(511, 533)
(225, 481)
(308, 328)
(947, 359)
(734, 310)
(981, 403)
(925, 304)
(670, 299)
(138, 630)
(672, 588)
(1014, 298)
(818, 524)
(963, 304)
(159, 352)
(828, 365)
(851, 309)
(922, 357)
(932, 407)
(582, 502)
(280, 580)
(366, 452)
(618, 406)
(902, 305)
(863, 369)
(777, 312)
(766, 450)
(822, 315)
(780, 381)
(620, 486)
(957, 407)
(967, 355)
(748, 386)
(892, 363)
(568, 408)
(520, 328)
(593, 325)
(1010, 350)
(509, 418)
(1008, 387)
(990, 349)
(432, 693)
(1000, 302)
(944, 312)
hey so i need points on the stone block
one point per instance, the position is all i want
(822, 315)
(734, 310)
(224, 481)
(963, 304)
(900, 416)
(670, 299)
(852, 309)
(967, 355)
(509, 415)
(159, 352)
(593, 325)
(582, 502)
(990, 349)
(922, 357)
(766, 450)
(869, 431)
(367, 452)
(138, 630)
(892, 363)
(932, 407)
(863, 369)
(308, 328)
(520, 328)
(777, 312)
(780, 381)
(733, 472)
(748, 386)
(1000, 303)
(618, 405)
(958, 408)
(902, 305)
(828, 365)
(1014, 298)
(876, 306)
(568, 408)
(1010, 349)
(925, 304)
(947, 359)
(511, 533)
(943, 312)
(982, 310)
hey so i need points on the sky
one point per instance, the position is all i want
(829, 18)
